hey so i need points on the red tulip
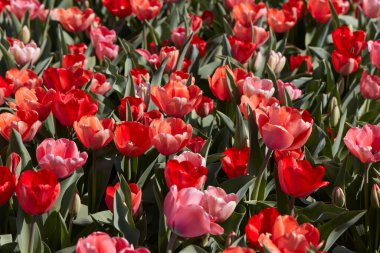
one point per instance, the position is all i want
(70, 107)
(347, 42)
(260, 223)
(298, 178)
(238, 249)
(64, 80)
(136, 195)
(38, 191)
(132, 138)
(284, 128)
(296, 61)
(242, 51)
(296, 154)
(218, 83)
(99, 84)
(79, 48)
(196, 144)
(200, 44)
(150, 116)
(22, 78)
(364, 143)
(5, 90)
(186, 170)
(281, 20)
(235, 162)
(24, 122)
(243, 33)
(370, 86)
(172, 54)
(7, 184)
(248, 13)
(73, 19)
(205, 107)
(146, 9)
(170, 135)
(136, 105)
(320, 9)
(175, 98)
(94, 133)
(139, 76)
(345, 64)
(118, 8)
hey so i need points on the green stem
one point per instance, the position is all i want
(145, 39)
(32, 234)
(171, 243)
(71, 225)
(264, 165)
(377, 230)
(93, 184)
(366, 204)
(291, 204)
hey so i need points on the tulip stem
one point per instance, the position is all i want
(264, 165)
(171, 243)
(33, 231)
(377, 230)
(366, 204)
(291, 202)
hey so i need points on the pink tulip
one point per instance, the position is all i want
(20, 7)
(290, 88)
(185, 214)
(371, 8)
(364, 143)
(370, 86)
(172, 54)
(24, 54)
(103, 40)
(196, 159)
(99, 84)
(374, 49)
(60, 156)
(178, 36)
(284, 128)
(255, 85)
(219, 204)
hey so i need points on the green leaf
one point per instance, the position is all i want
(227, 121)
(238, 185)
(184, 50)
(193, 249)
(335, 17)
(338, 139)
(332, 230)
(16, 145)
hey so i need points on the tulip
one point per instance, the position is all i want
(136, 105)
(99, 84)
(79, 48)
(7, 184)
(73, 61)
(290, 88)
(186, 170)
(139, 76)
(150, 116)
(255, 85)
(338, 197)
(26, 123)
(242, 51)
(102, 33)
(235, 162)
(100, 242)
(371, 8)
(94, 133)
(298, 178)
(132, 138)
(199, 44)
(295, 5)
(296, 154)
(296, 61)
(256, 101)
(106, 49)
(375, 196)
(60, 156)
(284, 128)
(196, 23)
(370, 86)
(363, 143)
(19, 78)
(344, 64)
(172, 54)
(218, 83)
(185, 214)
(170, 135)
(118, 8)
(24, 54)
(347, 42)
(218, 204)
(281, 20)
(320, 9)
(238, 249)
(153, 59)
(205, 107)
(276, 62)
(33, 7)
(38, 191)
(70, 107)
(374, 50)
(260, 223)
(248, 13)
(229, 4)
(136, 195)
(75, 205)
(62, 79)
(5, 90)
(73, 19)
(146, 9)
(178, 36)
(103, 38)
(37, 100)
(175, 98)
(196, 144)
(243, 33)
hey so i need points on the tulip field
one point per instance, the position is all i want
(189, 126)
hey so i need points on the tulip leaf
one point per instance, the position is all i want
(332, 230)
(238, 185)
(193, 249)
(16, 145)
(8, 58)
(126, 194)
(184, 50)
(334, 15)
(67, 250)
(232, 224)
(255, 153)
(227, 121)
(241, 135)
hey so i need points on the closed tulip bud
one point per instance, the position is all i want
(75, 205)
(338, 197)
(334, 112)
(375, 196)
(25, 34)
(276, 61)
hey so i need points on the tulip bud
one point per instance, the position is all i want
(338, 197)
(334, 112)
(276, 61)
(24, 34)
(75, 205)
(375, 196)
(259, 60)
